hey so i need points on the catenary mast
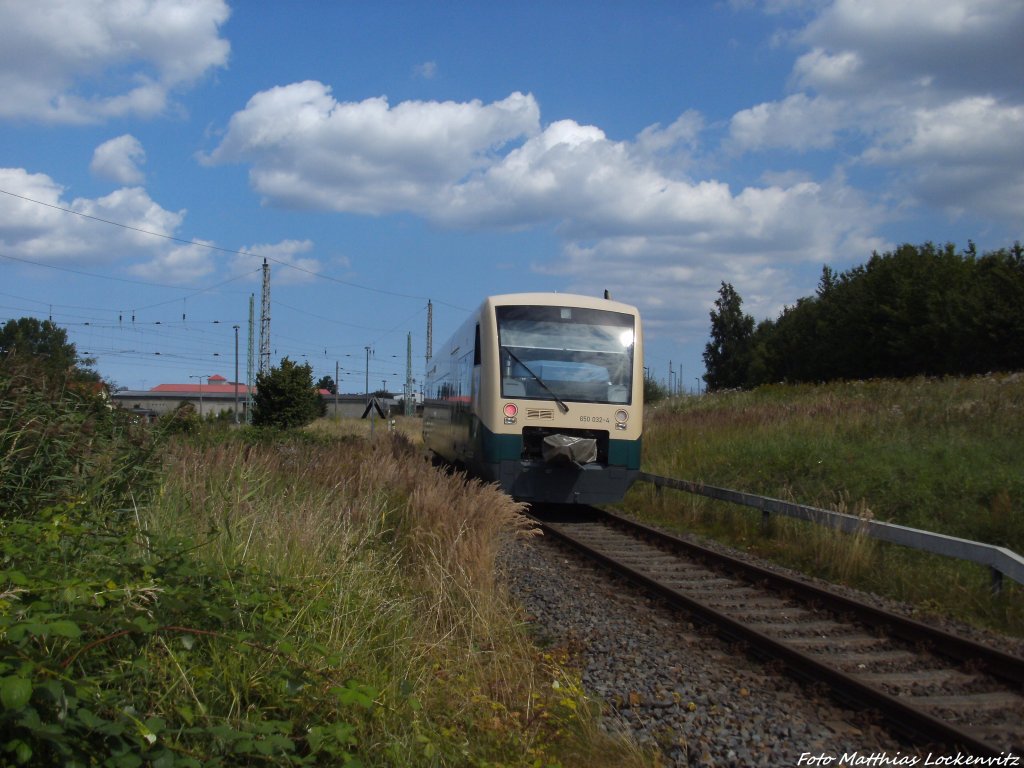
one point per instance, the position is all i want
(265, 321)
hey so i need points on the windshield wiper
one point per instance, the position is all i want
(561, 405)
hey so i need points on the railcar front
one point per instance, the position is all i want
(560, 397)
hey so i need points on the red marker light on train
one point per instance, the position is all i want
(510, 410)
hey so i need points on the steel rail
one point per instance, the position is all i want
(909, 720)
(992, 661)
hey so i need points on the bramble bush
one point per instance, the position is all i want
(103, 661)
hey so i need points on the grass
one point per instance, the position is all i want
(395, 562)
(941, 455)
(251, 598)
(410, 427)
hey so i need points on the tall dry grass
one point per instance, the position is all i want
(397, 562)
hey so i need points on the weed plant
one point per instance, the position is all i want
(941, 455)
(262, 599)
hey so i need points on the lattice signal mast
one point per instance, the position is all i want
(249, 366)
(265, 321)
(430, 331)
(410, 408)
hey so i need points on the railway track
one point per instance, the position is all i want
(932, 687)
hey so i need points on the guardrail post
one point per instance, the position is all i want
(997, 580)
(765, 521)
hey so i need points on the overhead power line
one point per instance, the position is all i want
(167, 339)
(221, 249)
(193, 292)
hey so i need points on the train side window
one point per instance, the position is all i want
(476, 346)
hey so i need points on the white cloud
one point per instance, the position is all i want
(947, 48)
(458, 164)
(760, 243)
(626, 210)
(45, 233)
(308, 150)
(683, 133)
(828, 72)
(286, 264)
(965, 155)
(427, 70)
(33, 226)
(797, 122)
(83, 61)
(932, 90)
(119, 159)
(595, 188)
(180, 264)
(148, 246)
(968, 130)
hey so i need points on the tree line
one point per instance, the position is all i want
(918, 310)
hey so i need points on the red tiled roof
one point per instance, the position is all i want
(200, 388)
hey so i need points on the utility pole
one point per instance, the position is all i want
(200, 379)
(236, 373)
(368, 351)
(409, 408)
(337, 387)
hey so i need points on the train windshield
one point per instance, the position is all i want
(566, 353)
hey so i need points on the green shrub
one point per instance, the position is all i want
(59, 444)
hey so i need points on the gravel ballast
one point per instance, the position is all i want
(680, 690)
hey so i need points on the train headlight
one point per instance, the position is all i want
(621, 417)
(510, 410)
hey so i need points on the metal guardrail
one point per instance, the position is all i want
(1001, 561)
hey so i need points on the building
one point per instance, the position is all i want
(217, 396)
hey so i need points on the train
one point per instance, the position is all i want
(541, 393)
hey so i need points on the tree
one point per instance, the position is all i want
(727, 354)
(922, 310)
(326, 382)
(46, 343)
(285, 397)
(653, 391)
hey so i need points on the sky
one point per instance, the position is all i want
(381, 156)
